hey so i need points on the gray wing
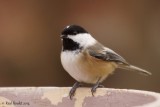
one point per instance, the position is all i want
(108, 55)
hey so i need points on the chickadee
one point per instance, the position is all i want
(87, 60)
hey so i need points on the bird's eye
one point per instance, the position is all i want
(75, 32)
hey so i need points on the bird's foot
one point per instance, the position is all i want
(73, 89)
(94, 88)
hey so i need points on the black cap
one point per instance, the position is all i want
(73, 30)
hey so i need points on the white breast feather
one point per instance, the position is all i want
(85, 71)
(70, 64)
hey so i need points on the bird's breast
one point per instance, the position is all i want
(84, 68)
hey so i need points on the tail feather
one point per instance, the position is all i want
(134, 68)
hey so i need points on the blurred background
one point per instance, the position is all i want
(30, 42)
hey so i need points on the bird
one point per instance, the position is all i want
(89, 61)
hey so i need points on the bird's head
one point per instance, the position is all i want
(75, 37)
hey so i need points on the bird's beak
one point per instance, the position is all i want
(63, 36)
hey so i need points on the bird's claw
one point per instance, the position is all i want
(94, 88)
(73, 89)
(71, 93)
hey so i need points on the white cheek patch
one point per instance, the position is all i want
(84, 40)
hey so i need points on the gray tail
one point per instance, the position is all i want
(134, 68)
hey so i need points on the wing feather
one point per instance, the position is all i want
(106, 54)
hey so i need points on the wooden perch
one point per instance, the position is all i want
(58, 97)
